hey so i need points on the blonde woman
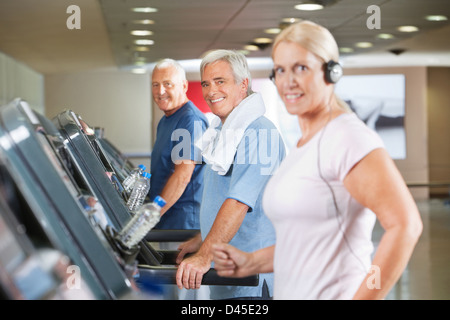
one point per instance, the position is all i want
(325, 197)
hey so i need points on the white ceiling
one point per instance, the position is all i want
(35, 33)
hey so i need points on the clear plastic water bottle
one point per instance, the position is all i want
(140, 190)
(129, 181)
(141, 223)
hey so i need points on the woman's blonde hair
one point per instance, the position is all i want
(314, 38)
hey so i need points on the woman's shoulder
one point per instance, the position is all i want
(347, 132)
(348, 124)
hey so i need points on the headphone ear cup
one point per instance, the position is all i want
(333, 71)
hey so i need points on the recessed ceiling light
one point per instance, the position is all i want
(141, 33)
(144, 21)
(309, 6)
(139, 70)
(262, 40)
(272, 31)
(346, 49)
(251, 47)
(408, 29)
(290, 20)
(364, 44)
(385, 36)
(244, 52)
(144, 10)
(141, 49)
(436, 17)
(140, 60)
(144, 42)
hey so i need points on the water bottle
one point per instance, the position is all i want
(141, 223)
(129, 181)
(140, 190)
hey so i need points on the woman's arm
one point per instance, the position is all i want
(232, 262)
(376, 183)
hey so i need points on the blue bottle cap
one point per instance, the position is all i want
(159, 201)
(142, 166)
(146, 175)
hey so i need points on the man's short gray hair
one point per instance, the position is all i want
(164, 63)
(237, 61)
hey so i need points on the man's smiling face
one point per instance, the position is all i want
(220, 90)
(168, 89)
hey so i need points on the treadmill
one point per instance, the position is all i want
(121, 164)
(28, 271)
(46, 214)
(96, 158)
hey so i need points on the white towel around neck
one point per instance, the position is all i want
(219, 146)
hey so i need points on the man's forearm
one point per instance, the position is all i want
(176, 184)
(225, 226)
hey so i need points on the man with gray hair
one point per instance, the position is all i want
(235, 175)
(176, 176)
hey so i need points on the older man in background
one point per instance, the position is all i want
(177, 173)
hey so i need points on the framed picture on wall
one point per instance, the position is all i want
(379, 101)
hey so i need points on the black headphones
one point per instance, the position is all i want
(333, 71)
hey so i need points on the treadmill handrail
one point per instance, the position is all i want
(171, 235)
(167, 275)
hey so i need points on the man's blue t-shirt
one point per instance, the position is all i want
(258, 155)
(175, 138)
